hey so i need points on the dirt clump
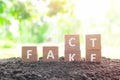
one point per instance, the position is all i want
(15, 69)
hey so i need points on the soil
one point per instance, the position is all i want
(15, 69)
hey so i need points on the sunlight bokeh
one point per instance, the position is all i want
(42, 22)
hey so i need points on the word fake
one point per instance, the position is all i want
(72, 50)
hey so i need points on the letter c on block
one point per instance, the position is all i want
(70, 40)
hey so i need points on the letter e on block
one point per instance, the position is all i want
(93, 42)
(93, 56)
(50, 53)
(29, 54)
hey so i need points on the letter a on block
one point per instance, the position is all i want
(29, 54)
(50, 53)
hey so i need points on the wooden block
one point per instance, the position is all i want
(72, 55)
(29, 54)
(72, 42)
(93, 56)
(50, 53)
(93, 42)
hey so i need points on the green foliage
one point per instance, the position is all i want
(34, 33)
(7, 44)
(40, 32)
(19, 11)
(56, 6)
(2, 6)
(4, 20)
(35, 24)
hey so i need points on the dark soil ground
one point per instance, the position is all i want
(15, 69)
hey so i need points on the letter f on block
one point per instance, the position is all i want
(29, 54)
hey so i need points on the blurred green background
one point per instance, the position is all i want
(45, 22)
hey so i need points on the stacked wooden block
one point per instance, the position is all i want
(72, 50)
(93, 48)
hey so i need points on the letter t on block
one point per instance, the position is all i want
(29, 54)
(93, 42)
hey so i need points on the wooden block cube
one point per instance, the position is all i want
(50, 53)
(72, 55)
(93, 42)
(93, 56)
(29, 54)
(72, 42)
